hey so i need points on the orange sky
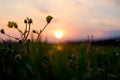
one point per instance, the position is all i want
(76, 18)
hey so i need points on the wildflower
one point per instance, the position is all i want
(15, 25)
(29, 20)
(10, 25)
(49, 18)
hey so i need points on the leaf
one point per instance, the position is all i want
(49, 18)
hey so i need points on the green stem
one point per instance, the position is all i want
(41, 32)
(20, 32)
(24, 40)
(27, 33)
(24, 35)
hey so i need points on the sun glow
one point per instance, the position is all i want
(59, 34)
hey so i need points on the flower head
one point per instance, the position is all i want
(49, 18)
(15, 25)
(2, 31)
(25, 21)
(10, 25)
(29, 20)
(34, 31)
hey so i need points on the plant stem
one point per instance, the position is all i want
(41, 32)
(24, 40)
(25, 32)
(12, 37)
(3, 40)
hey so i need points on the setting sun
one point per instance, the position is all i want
(58, 34)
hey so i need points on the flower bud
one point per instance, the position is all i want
(2, 31)
(49, 18)
(25, 21)
(30, 21)
(15, 25)
(34, 31)
(10, 24)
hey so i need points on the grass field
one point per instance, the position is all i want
(43, 61)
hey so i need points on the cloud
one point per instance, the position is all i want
(111, 3)
(115, 2)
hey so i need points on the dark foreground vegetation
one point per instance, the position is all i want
(43, 61)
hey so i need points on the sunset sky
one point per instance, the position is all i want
(76, 18)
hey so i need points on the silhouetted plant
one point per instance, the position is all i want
(11, 57)
(3, 32)
(26, 32)
(48, 19)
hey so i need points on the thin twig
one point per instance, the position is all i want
(12, 37)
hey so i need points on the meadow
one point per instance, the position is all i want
(26, 59)
(44, 61)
